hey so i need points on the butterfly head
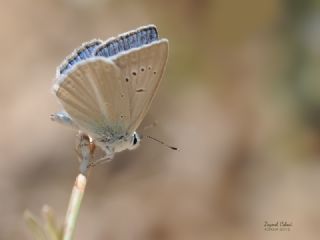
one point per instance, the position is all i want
(119, 144)
(130, 142)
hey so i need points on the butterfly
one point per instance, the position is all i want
(106, 88)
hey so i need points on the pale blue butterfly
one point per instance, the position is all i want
(106, 88)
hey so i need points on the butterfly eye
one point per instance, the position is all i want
(135, 139)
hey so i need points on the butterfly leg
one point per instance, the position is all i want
(63, 118)
(99, 161)
(106, 158)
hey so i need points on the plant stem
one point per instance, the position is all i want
(74, 206)
(78, 190)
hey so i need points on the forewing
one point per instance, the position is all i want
(93, 95)
(141, 72)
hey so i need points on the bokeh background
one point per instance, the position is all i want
(240, 97)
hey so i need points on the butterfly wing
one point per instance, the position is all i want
(141, 73)
(108, 88)
(93, 95)
(85, 51)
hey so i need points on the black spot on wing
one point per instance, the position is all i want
(139, 90)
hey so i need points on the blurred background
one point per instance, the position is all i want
(240, 97)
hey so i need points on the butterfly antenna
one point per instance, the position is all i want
(163, 143)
